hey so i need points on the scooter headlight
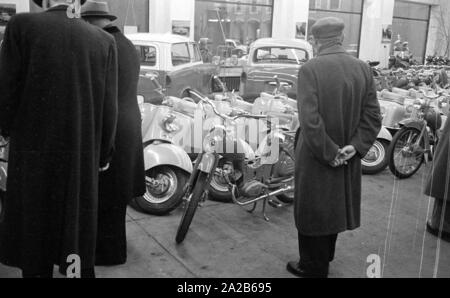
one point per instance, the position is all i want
(210, 143)
(169, 124)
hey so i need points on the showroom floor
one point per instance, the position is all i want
(225, 241)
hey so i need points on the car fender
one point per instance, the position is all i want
(167, 155)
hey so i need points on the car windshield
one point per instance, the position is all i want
(280, 55)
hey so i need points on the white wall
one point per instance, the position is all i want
(376, 14)
(287, 13)
(21, 5)
(163, 12)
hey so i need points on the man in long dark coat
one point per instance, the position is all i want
(126, 177)
(439, 188)
(58, 104)
(340, 120)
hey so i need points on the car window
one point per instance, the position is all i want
(147, 55)
(281, 55)
(180, 54)
(196, 53)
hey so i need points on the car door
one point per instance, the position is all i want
(183, 75)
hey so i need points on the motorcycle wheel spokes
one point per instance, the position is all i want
(407, 157)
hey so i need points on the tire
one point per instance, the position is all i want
(381, 162)
(218, 191)
(191, 208)
(156, 202)
(2, 205)
(284, 167)
(391, 153)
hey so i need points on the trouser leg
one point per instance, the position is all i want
(316, 252)
(438, 213)
(45, 272)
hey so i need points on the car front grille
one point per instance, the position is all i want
(232, 83)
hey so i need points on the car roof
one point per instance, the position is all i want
(273, 42)
(161, 38)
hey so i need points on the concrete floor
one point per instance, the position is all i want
(227, 242)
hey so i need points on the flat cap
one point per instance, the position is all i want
(328, 28)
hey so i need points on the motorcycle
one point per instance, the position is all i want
(3, 174)
(415, 142)
(251, 183)
(167, 164)
(274, 105)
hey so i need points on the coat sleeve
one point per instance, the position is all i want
(311, 122)
(110, 108)
(371, 121)
(10, 76)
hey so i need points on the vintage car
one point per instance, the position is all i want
(270, 57)
(176, 61)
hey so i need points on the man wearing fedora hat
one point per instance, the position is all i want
(340, 120)
(125, 179)
(58, 105)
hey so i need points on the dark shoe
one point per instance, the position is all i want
(294, 268)
(435, 232)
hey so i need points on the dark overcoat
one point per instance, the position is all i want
(439, 180)
(338, 107)
(126, 177)
(58, 104)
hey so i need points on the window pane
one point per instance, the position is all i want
(337, 5)
(414, 32)
(180, 54)
(281, 55)
(147, 55)
(351, 31)
(411, 10)
(244, 21)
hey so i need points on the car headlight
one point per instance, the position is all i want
(169, 124)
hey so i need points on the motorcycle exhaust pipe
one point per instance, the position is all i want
(263, 197)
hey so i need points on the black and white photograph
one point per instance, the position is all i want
(224, 146)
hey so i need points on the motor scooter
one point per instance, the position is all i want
(167, 162)
(250, 183)
(274, 106)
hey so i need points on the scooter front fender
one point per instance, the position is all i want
(167, 155)
(385, 135)
(412, 124)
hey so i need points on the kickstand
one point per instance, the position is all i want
(264, 210)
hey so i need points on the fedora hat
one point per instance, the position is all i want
(39, 2)
(96, 9)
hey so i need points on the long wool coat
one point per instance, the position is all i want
(126, 177)
(439, 184)
(58, 88)
(338, 107)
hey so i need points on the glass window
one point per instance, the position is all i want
(147, 55)
(280, 55)
(241, 20)
(411, 10)
(410, 24)
(350, 11)
(180, 54)
(195, 52)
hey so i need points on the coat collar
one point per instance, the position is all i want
(112, 29)
(62, 7)
(335, 49)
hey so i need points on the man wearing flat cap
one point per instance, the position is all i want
(126, 177)
(58, 105)
(340, 120)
